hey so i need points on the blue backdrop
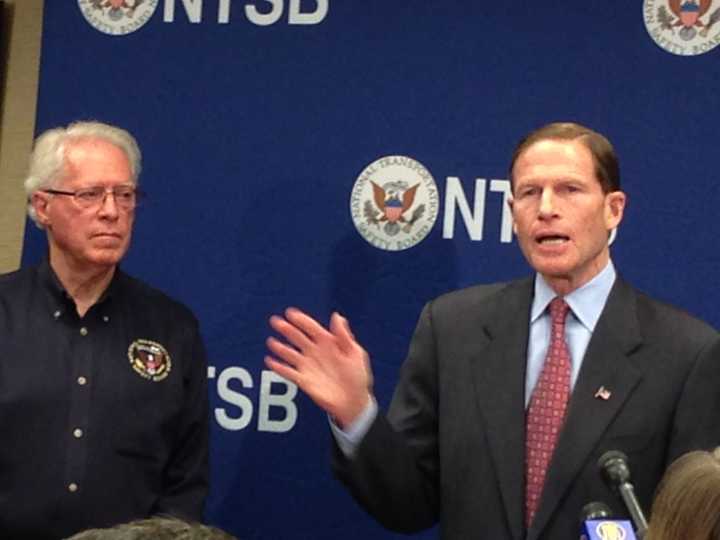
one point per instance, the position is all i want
(254, 136)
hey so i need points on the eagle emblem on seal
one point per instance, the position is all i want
(392, 201)
(117, 9)
(149, 359)
(687, 17)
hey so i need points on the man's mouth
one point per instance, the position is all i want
(551, 239)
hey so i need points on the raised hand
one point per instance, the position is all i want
(326, 363)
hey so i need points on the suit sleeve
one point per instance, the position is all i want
(394, 474)
(185, 479)
(697, 420)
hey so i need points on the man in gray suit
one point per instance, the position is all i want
(511, 391)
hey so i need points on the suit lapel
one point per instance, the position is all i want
(499, 373)
(606, 366)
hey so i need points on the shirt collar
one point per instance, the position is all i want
(50, 281)
(58, 292)
(586, 303)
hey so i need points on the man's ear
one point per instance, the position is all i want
(614, 208)
(40, 203)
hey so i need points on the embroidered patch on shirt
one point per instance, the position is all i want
(149, 359)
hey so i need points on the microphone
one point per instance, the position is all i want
(597, 524)
(616, 473)
(595, 510)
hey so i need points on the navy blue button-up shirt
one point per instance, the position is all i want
(103, 418)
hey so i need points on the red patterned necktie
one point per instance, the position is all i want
(546, 413)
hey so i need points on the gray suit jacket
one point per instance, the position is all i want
(451, 448)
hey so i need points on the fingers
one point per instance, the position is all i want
(340, 328)
(290, 332)
(307, 324)
(309, 338)
(284, 352)
(283, 370)
(298, 328)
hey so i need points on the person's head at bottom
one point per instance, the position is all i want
(155, 528)
(687, 503)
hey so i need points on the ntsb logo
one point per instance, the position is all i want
(120, 17)
(394, 203)
(683, 27)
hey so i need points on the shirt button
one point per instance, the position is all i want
(72, 487)
(83, 331)
(57, 314)
(77, 433)
(106, 318)
(81, 380)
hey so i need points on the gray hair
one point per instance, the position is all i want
(47, 160)
(155, 528)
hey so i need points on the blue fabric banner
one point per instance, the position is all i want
(274, 130)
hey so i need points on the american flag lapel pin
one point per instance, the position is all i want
(603, 393)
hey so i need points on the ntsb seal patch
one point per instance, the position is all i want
(117, 17)
(683, 27)
(149, 359)
(394, 203)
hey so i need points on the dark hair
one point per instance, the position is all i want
(607, 169)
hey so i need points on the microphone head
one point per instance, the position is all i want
(596, 510)
(614, 468)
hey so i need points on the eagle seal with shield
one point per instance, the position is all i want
(688, 16)
(393, 199)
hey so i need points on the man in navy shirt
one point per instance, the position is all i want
(103, 399)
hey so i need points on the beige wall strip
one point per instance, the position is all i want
(22, 30)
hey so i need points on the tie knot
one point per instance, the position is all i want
(558, 310)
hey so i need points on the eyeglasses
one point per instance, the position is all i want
(126, 197)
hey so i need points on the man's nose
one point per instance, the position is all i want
(109, 206)
(547, 204)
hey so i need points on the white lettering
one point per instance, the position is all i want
(224, 12)
(264, 16)
(265, 19)
(193, 9)
(284, 401)
(503, 186)
(234, 398)
(315, 17)
(454, 195)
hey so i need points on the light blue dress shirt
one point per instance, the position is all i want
(586, 305)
